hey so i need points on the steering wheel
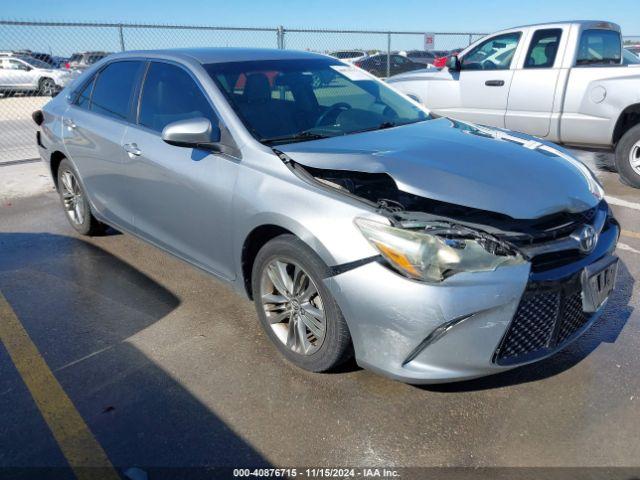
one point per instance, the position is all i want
(489, 65)
(335, 110)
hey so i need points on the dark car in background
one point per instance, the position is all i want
(377, 64)
(424, 57)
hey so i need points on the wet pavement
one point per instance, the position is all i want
(169, 367)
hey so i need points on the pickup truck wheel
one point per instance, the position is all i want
(296, 309)
(628, 157)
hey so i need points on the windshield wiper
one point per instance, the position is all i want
(296, 137)
(382, 126)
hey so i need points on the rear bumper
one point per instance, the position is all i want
(420, 333)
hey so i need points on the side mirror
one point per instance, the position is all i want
(453, 63)
(193, 133)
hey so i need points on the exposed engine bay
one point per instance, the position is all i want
(499, 234)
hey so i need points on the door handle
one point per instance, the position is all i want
(132, 149)
(494, 83)
(69, 123)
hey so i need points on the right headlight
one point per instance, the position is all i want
(434, 251)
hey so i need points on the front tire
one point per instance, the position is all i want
(628, 157)
(74, 201)
(295, 308)
(46, 87)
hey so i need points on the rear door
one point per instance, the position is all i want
(534, 85)
(480, 90)
(93, 128)
(180, 197)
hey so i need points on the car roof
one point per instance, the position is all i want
(221, 54)
(584, 23)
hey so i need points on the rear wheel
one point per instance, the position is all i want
(296, 310)
(74, 201)
(628, 157)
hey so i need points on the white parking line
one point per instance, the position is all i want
(627, 248)
(622, 203)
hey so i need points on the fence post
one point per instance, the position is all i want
(280, 36)
(470, 39)
(389, 54)
(121, 33)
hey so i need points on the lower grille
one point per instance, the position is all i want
(544, 321)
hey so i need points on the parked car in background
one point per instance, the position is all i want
(377, 64)
(424, 57)
(431, 249)
(82, 61)
(59, 62)
(349, 56)
(27, 74)
(43, 57)
(564, 82)
(441, 60)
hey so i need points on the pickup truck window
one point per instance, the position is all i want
(543, 48)
(599, 47)
(495, 53)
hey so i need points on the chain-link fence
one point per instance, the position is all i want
(39, 58)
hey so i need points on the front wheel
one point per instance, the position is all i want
(628, 157)
(295, 308)
(46, 87)
(74, 201)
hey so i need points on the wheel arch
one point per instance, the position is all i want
(269, 228)
(54, 165)
(628, 118)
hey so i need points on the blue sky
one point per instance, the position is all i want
(422, 15)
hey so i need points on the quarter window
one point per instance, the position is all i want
(84, 96)
(113, 89)
(493, 54)
(170, 94)
(543, 49)
(599, 47)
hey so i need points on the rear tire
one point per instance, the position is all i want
(74, 201)
(628, 157)
(304, 322)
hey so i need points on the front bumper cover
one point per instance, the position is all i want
(391, 317)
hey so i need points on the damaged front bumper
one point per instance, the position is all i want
(430, 333)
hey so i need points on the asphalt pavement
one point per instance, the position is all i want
(167, 367)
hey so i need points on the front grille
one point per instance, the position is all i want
(546, 319)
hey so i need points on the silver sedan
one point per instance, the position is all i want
(430, 249)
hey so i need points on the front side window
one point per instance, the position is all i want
(282, 101)
(599, 47)
(493, 54)
(543, 49)
(113, 89)
(170, 94)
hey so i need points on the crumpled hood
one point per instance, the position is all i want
(463, 164)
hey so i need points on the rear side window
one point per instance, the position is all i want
(543, 49)
(170, 94)
(599, 47)
(113, 89)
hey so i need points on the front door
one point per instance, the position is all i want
(180, 197)
(480, 90)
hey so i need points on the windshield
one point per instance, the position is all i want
(34, 62)
(283, 101)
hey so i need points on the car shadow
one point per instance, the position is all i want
(605, 330)
(81, 306)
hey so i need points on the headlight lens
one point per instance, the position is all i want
(433, 252)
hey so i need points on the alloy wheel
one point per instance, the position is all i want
(293, 306)
(72, 197)
(634, 157)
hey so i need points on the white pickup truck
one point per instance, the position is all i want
(565, 82)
